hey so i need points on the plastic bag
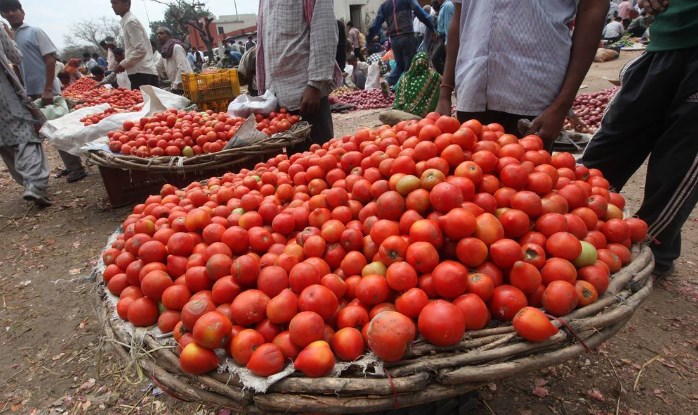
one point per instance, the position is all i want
(69, 134)
(122, 80)
(373, 80)
(244, 105)
(53, 111)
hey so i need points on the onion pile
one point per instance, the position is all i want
(589, 108)
(368, 99)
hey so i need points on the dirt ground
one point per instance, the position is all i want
(53, 362)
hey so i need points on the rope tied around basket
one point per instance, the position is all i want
(396, 404)
(570, 330)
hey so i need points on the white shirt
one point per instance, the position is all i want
(111, 60)
(513, 55)
(613, 29)
(175, 66)
(139, 53)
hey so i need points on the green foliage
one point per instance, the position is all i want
(180, 15)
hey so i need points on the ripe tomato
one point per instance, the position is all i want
(441, 323)
(212, 330)
(531, 324)
(559, 298)
(266, 360)
(506, 301)
(474, 309)
(197, 360)
(389, 334)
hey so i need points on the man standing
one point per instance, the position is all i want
(139, 63)
(38, 69)
(655, 114)
(296, 48)
(89, 62)
(249, 45)
(173, 62)
(518, 59)
(446, 12)
(398, 15)
(109, 45)
(354, 39)
(20, 145)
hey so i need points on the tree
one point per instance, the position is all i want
(92, 31)
(181, 15)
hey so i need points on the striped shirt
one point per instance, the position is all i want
(296, 55)
(513, 55)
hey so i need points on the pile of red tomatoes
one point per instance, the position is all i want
(182, 133)
(429, 228)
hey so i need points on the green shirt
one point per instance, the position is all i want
(676, 28)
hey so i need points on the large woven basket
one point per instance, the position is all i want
(239, 155)
(427, 373)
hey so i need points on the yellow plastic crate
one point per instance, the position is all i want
(215, 86)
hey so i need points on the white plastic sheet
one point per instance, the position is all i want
(69, 134)
(245, 105)
(373, 80)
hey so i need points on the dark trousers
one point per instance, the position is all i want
(506, 120)
(655, 114)
(404, 49)
(140, 79)
(322, 127)
(359, 56)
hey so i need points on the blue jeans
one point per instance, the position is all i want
(404, 49)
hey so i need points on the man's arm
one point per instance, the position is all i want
(323, 49)
(585, 41)
(448, 81)
(137, 51)
(376, 28)
(47, 95)
(421, 15)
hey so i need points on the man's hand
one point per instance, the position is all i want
(444, 105)
(9, 32)
(47, 98)
(119, 68)
(310, 103)
(653, 7)
(548, 125)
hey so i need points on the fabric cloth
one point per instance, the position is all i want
(341, 55)
(191, 59)
(235, 57)
(398, 15)
(418, 90)
(613, 30)
(59, 66)
(624, 8)
(168, 48)
(446, 13)
(404, 48)
(139, 79)
(139, 53)
(358, 76)
(102, 62)
(675, 28)
(655, 114)
(27, 164)
(354, 37)
(111, 60)
(497, 38)
(35, 44)
(20, 145)
(249, 45)
(296, 49)
(175, 65)
(91, 64)
(248, 68)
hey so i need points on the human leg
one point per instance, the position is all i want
(8, 156)
(140, 79)
(31, 165)
(633, 120)
(671, 186)
(73, 164)
(322, 127)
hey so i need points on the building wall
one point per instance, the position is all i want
(342, 11)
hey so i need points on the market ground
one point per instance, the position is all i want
(53, 362)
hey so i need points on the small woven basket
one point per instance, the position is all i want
(168, 164)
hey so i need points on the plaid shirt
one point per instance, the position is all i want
(296, 54)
